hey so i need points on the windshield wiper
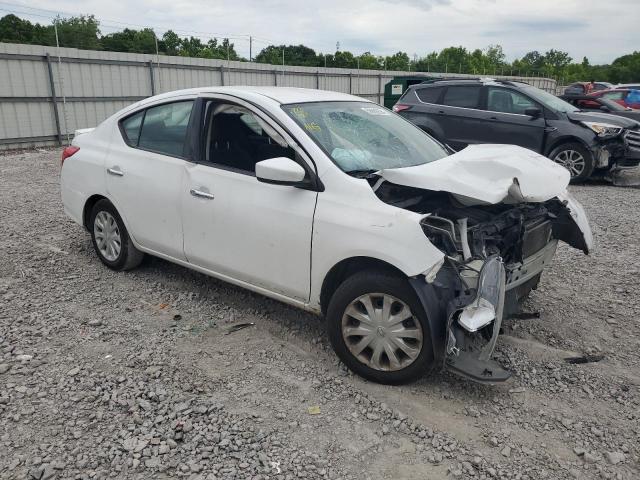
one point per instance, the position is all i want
(364, 173)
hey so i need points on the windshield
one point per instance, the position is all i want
(361, 136)
(549, 100)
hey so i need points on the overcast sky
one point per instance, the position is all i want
(599, 29)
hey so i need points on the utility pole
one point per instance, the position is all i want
(64, 97)
(155, 37)
(250, 47)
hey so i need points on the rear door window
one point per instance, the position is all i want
(164, 129)
(429, 95)
(467, 96)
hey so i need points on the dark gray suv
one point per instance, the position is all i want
(463, 112)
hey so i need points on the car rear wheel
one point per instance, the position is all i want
(575, 158)
(110, 238)
(379, 329)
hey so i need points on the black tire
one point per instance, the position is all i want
(589, 163)
(129, 256)
(372, 281)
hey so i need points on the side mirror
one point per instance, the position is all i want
(280, 171)
(533, 112)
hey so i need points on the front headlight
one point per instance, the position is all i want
(603, 130)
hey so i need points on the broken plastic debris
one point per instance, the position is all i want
(163, 305)
(314, 410)
(584, 359)
(239, 326)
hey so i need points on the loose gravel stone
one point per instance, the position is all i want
(130, 375)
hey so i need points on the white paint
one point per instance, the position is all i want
(488, 174)
(279, 240)
(280, 169)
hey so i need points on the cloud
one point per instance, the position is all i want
(384, 27)
(420, 4)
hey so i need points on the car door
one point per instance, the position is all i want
(144, 175)
(234, 225)
(508, 122)
(459, 115)
(617, 96)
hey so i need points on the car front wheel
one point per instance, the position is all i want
(379, 329)
(575, 158)
(110, 238)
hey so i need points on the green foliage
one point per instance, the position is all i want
(138, 41)
(79, 32)
(293, 55)
(84, 32)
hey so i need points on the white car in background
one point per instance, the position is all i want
(332, 204)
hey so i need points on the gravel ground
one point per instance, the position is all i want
(139, 375)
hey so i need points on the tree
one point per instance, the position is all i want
(293, 55)
(79, 32)
(495, 56)
(171, 42)
(138, 41)
(398, 61)
(555, 62)
(370, 62)
(453, 59)
(15, 30)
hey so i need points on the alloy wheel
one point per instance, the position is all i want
(381, 332)
(572, 161)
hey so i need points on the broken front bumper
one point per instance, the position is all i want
(472, 331)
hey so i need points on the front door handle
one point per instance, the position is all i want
(201, 194)
(115, 171)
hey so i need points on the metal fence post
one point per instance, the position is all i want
(350, 82)
(318, 80)
(54, 99)
(380, 92)
(153, 83)
(275, 78)
(222, 75)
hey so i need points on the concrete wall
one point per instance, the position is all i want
(46, 93)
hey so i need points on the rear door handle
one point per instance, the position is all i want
(115, 171)
(201, 194)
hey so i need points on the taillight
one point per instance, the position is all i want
(67, 152)
(399, 107)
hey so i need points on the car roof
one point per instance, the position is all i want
(281, 95)
(468, 81)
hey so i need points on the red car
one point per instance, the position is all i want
(624, 96)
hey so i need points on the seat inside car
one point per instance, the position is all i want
(500, 101)
(236, 139)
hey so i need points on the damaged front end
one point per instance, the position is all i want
(495, 254)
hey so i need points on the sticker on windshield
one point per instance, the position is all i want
(312, 127)
(299, 112)
(375, 111)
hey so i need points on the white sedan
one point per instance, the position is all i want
(325, 201)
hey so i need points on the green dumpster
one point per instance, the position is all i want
(397, 86)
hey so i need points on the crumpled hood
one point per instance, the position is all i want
(487, 174)
(604, 118)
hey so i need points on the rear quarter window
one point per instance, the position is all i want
(429, 94)
(131, 128)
